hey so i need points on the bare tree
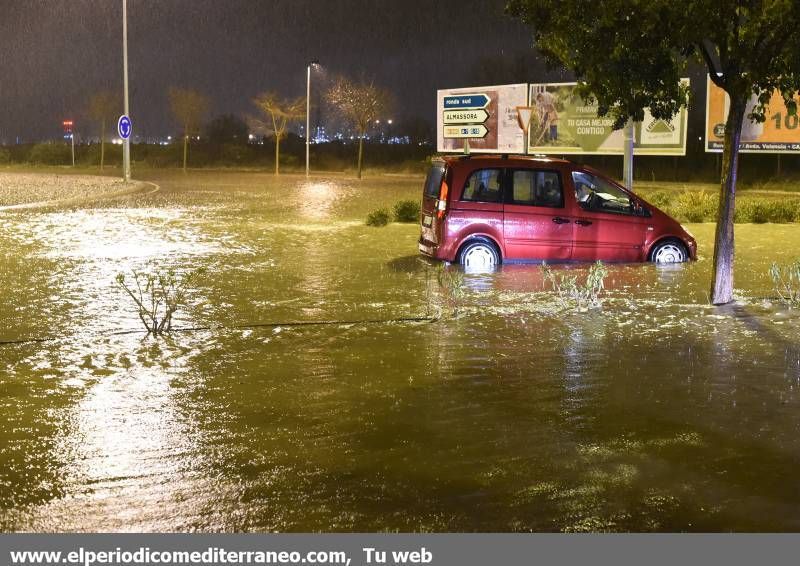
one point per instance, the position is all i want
(103, 108)
(189, 108)
(360, 103)
(279, 113)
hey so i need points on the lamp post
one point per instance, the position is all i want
(313, 63)
(126, 147)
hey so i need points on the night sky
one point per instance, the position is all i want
(55, 54)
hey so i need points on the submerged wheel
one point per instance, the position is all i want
(479, 254)
(669, 251)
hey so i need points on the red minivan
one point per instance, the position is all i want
(481, 211)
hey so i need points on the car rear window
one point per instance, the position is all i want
(484, 185)
(537, 188)
(433, 182)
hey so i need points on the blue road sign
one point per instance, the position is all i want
(476, 100)
(124, 127)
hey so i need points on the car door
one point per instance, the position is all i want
(537, 224)
(608, 225)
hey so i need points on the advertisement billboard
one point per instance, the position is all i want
(779, 134)
(485, 116)
(562, 122)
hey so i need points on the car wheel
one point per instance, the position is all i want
(479, 254)
(669, 252)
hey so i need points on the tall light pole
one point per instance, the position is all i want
(126, 143)
(314, 63)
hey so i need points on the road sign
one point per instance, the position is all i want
(468, 131)
(485, 116)
(462, 101)
(124, 127)
(465, 116)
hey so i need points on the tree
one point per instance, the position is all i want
(189, 108)
(630, 54)
(281, 113)
(360, 104)
(103, 108)
(227, 128)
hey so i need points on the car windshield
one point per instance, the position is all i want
(595, 193)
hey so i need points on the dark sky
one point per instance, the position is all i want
(55, 53)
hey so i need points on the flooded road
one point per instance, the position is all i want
(655, 412)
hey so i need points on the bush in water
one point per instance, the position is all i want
(786, 281)
(379, 217)
(406, 211)
(574, 295)
(451, 281)
(157, 294)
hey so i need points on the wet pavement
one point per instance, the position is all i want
(655, 412)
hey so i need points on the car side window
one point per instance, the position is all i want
(484, 185)
(595, 194)
(536, 188)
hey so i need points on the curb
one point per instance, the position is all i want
(139, 188)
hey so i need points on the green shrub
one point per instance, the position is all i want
(659, 199)
(5, 156)
(694, 206)
(51, 154)
(759, 211)
(378, 217)
(90, 155)
(406, 211)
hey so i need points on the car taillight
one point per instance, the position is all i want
(441, 204)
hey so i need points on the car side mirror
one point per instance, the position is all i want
(638, 208)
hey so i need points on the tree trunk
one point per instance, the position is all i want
(185, 150)
(102, 143)
(360, 153)
(277, 155)
(722, 276)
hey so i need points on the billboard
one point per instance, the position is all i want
(485, 116)
(779, 134)
(562, 122)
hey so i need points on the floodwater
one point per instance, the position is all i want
(653, 413)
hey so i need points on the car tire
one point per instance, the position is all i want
(669, 251)
(479, 253)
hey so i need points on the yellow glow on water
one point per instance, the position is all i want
(317, 199)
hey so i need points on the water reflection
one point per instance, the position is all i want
(317, 198)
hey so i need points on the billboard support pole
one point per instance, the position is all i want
(627, 163)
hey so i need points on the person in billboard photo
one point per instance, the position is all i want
(547, 117)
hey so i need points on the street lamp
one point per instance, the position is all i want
(313, 63)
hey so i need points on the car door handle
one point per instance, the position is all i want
(559, 220)
(583, 222)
